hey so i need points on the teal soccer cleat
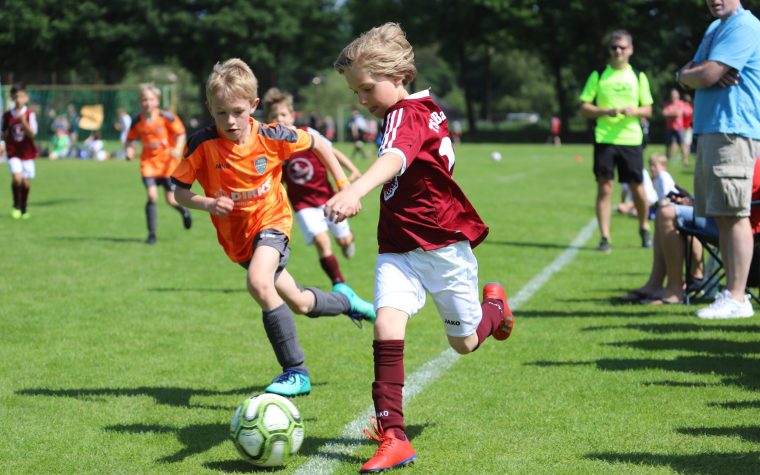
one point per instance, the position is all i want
(291, 382)
(360, 309)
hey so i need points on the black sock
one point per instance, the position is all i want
(328, 304)
(151, 216)
(281, 331)
(24, 197)
(16, 195)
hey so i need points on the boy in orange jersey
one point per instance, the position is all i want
(163, 137)
(238, 163)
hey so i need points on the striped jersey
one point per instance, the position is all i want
(250, 174)
(423, 207)
(306, 178)
(17, 143)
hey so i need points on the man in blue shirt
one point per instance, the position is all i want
(725, 72)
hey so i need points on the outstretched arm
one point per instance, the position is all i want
(346, 162)
(347, 203)
(324, 151)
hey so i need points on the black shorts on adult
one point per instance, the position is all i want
(629, 160)
(164, 181)
(272, 238)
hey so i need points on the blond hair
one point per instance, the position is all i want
(232, 79)
(658, 158)
(383, 50)
(274, 97)
(150, 87)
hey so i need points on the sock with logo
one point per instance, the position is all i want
(281, 331)
(332, 268)
(387, 389)
(490, 320)
(151, 216)
(328, 304)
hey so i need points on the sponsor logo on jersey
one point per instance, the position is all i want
(390, 188)
(300, 171)
(435, 121)
(260, 164)
(222, 165)
(246, 197)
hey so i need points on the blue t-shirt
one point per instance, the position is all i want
(734, 42)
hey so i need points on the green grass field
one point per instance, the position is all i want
(117, 357)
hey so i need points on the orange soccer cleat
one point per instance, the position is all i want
(395, 449)
(494, 291)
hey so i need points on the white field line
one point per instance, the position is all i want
(328, 456)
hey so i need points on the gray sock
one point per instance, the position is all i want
(328, 303)
(281, 331)
(150, 214)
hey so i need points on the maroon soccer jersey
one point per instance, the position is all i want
(306, 178)
(17, 144)
(423, 207)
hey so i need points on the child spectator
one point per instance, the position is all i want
(238, 163)
(60, 144)
(163, 137)
(18, 130)
(93, 147)
(123, 124)
(308, 189)
(426, 232)
(663, 181)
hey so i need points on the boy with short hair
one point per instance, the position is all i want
(309, 189)
(18, 130)
(238, 163)
(163, 137)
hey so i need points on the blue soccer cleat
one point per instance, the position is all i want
(360, 309)
(291, 382)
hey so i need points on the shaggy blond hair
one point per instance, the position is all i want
(275, 97)
(150, 87)
(383, 50)
(232, 79)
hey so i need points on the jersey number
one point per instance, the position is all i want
(447, 150)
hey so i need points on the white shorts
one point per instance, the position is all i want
(23, 167)
(312, 221)
(449, 275)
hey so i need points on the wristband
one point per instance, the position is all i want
(341, 183)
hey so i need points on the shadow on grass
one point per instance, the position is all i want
(736, 405)
(172, 396)
(58, 202)
(735, 463)
(711, 346)
(665, 328)
(532, 245)
(343, 453)
(196, 438)
(586, 314)
(747, 433)
(194, 290)
(734, 370)
(114, 239)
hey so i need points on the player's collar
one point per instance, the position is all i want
(419, 95)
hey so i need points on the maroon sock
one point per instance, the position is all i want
(332, 268)
(16, 195)
(490, 321)
(24, 198)
(387, 390)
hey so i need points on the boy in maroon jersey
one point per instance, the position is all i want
(19, 130)
(426, 232)
(309, 189)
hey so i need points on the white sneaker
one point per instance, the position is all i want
(726, 307)
(349, 251)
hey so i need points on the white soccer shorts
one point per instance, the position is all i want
(449, 275)
(23, 167)
(312, 221)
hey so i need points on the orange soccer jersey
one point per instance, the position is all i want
(158, 135)
(250, 174)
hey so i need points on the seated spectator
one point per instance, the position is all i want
(661, 179)
(60, 144)
(627, 206)
(93, 147)
(670, 252)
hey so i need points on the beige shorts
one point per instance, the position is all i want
(723, 175)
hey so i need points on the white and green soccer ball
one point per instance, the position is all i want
(266, 430)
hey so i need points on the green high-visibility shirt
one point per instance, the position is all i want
(618, 89)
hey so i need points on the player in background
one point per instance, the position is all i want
(309, 189)
(426, 231)
(162, 135)
(238, 163)
(19, 129)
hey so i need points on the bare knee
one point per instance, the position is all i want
(260, 288)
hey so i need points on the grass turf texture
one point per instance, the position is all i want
(119, 357)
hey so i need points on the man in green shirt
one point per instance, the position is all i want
(618, 98)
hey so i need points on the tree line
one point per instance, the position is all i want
(484, 58)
